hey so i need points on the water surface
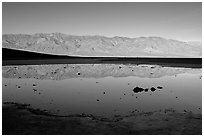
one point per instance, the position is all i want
(103, 89)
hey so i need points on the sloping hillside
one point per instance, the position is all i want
(62, 44)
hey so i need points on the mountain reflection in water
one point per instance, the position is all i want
(103, 89)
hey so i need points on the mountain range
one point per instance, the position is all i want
(101, 46)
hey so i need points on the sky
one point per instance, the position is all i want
(171, 20)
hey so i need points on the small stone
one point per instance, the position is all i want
(146, 90)
(159, 87)
(153, 89)
(138, 89)
(97, 100)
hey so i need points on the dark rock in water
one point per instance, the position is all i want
(138, 89)
(34, 90)
(146, 90)
(5, 85)
(153, 89)
(176, 97)
(159, 87)
(104, 92)
(97, 100)
(19, 86)
(78, 73)
(34, 85)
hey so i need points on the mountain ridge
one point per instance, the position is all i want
(63, 44)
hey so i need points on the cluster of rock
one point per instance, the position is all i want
(140, 89)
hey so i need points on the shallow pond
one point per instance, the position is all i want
(103, 89)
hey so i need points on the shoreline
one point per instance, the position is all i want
(23, 119)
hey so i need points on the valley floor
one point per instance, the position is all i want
(22, 119)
